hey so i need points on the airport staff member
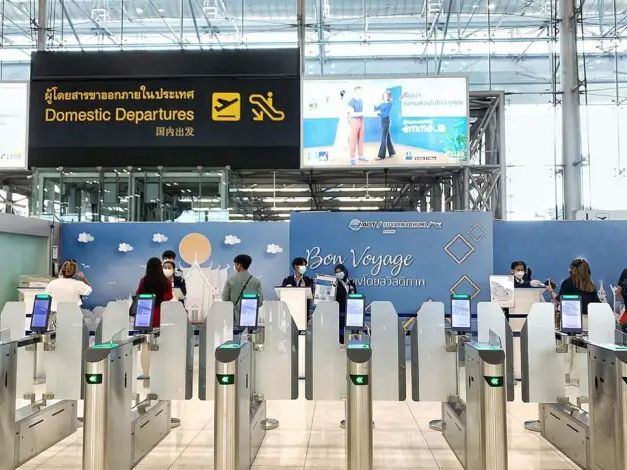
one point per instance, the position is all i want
(178, 279)
(177, 282)
(522, 274)
(298, 279)
(242, 282)
(578, 283)
(345, 286)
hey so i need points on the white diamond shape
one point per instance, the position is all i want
(484, 232)
(452, 255)
(469, 281)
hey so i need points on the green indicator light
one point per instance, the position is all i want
(105, 346)
(359, 379)
(43, 296)
(494, 381)
(358, 346)
(146, 296)
(249, 296)
(93, 379)
(230, 346)
(461, 296)
(355, 296)
(570, 297)
(225, 379)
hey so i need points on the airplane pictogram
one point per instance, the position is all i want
(264, 106)
(226, 106)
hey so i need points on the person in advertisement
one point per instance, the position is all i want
(357, 126)
(384, 109)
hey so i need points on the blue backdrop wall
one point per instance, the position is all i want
(404, 257)
(113, 256)
(548, 247)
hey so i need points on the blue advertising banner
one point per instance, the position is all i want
(404, 257)
(385, 122)
(113, 256)
(548, 247)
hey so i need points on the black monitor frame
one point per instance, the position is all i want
(355, 297)
(576, 299)
(144, 298)
(247, 298)
(39, 299)
(461, 328)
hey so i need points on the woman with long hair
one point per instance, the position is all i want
(154, 282)
(579, 282)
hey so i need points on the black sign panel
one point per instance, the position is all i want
(170, 108)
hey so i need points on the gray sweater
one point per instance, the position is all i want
(234, 289)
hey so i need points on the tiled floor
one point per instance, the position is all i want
(309, 437)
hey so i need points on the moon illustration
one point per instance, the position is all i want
(195, 247)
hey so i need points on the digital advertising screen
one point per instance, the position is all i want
(385, 122)
(13, 125)
(248, 312)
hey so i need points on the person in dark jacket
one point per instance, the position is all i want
(298, 279)
(621, 287)
(345, 286)
(578, 283)
(522, 274)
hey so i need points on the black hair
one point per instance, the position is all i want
(244, 260)
(300, 261)
(527, 276)
(168, 254)
(341, 267)
(155, 281)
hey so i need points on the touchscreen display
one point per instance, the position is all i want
(143, 314)
(248, 312)
(41, 312)
(460, 313)
(355, 312)
(571, 314)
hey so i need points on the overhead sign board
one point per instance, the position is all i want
(385, 122)
(177, 111)
(13, 125)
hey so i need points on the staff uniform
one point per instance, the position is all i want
(291, 281)
(622, 282)
(384, 110)
(568, 287)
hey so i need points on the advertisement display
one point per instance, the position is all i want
(406, 258)
(209, 108)
(385, 122)
(13, 125)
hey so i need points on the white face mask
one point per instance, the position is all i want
(341, 275)
(168, 273)
(519, 275)
(302, 269)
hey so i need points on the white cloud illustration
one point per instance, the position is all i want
(125, 247)
(159, 238)
(274, 249)
(85, 237)
(232, 240)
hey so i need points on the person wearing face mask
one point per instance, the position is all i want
(345, 286)
(298, 279)
(177, 282)
(242, 282)
(521, 274)
(177, 274)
